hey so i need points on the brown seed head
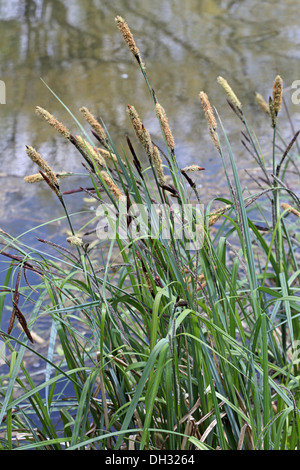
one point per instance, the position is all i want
(53, 122)
(215, 215)
(112, 186)
(272, 112)
(210, 117)
(45, 168)
(208, 111)
(88, 149)
(165, 126)
(231, 95)
(37, 177)
(94, 124)
(290, 208)
(157, 163)
(277, 94)
(37, 159)
(141, 133)
(128, 38)
(192, 168)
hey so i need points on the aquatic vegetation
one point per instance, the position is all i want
(176, 325)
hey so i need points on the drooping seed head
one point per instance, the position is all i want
(215, 215)
(75, 241)
(192, 168)
(37, 177)
(262, 103)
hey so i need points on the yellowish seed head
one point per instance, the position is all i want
(165, 126)
(37, 159)
(87, 148)
(53, 122)
(94, 124)
(141, 132)
(75, 241)
(192, 168)
(128, 38)
(231, 95)
(45, 168)
(208, 111)
(157, 163)
(262, 103)
(112, 186)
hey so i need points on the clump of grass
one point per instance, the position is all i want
(171, 335)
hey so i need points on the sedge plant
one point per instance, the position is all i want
(177, 323)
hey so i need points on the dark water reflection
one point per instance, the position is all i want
(75, 47)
